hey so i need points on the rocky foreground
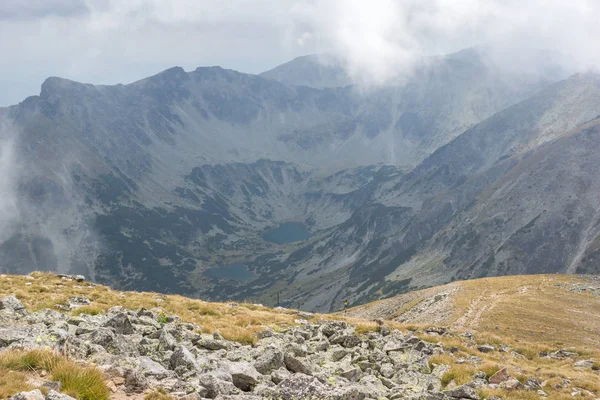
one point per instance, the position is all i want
(144, 350)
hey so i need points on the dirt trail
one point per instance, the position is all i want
(480, 305)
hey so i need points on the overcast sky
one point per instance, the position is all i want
(112, 41)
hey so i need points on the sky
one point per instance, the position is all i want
(120, 41)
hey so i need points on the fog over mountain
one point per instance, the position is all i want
(369, 169)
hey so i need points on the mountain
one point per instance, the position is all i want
(315, 70)
(225, 185)
(515, 194)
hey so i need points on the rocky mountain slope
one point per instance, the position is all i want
(179, 182)
(167, 347)
(513, 195)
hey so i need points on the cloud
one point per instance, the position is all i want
(118, 41)
(29, 9)
(382, 39)
(9, 210)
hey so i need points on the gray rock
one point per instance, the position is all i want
(166, 341)
(584, 364)
(33, 395)
(244, 376)
(79, 301)
(299, 386)
(268, 361)
(294, 364)
(77, 278)
(486, 348)
(352, 374)
(11, 303)
(212, 344)
(215, 386)
(280, 375)
(462, 392)
(53, 395)
(182, 357)
(120, 323)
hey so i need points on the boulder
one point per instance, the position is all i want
(182, 357)
(294, 364)
(299, 386)
(462, 392)
(280, 375)
(268, 361)
(12, 304)
(244, 376)
(486, 348)
(33, 395)
(76, 278)
(120, 324)
(212, 344)
(53, 395)
(584, 364)
(215, 386)
(166, 341)
(499, 377)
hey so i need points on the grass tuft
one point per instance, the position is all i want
(81, 382)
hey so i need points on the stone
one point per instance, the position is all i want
(294, 364)
(215, 386)
(11, 303)
(486, 348)
(352, 374)
(280, 375)
(244, 376)
(269, 361)
(76, 278)
(121, 324)
(182, 357)
(584, 364)
(300, 386)
(212, 344)
(33, 395)
(499, 377)
(53, 395)
(511, 384)
(166, 341)
(79, 301)
(462, 392)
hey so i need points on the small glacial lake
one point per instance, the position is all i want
(237, 272)
(288, 232)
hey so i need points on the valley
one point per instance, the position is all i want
(223, 185)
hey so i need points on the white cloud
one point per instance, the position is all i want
(110, 41)
(382, 39)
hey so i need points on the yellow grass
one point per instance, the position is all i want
(237, 322)
(12, 382)
(81, 382)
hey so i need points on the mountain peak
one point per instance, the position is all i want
(55, 84)
(314, 70)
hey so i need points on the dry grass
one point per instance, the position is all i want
(12, 382)
(81, 382)
(158, 394)
(237, 322)
(459, 374)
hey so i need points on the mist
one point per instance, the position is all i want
(382, 40)
(41, 223)
(9, 211)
